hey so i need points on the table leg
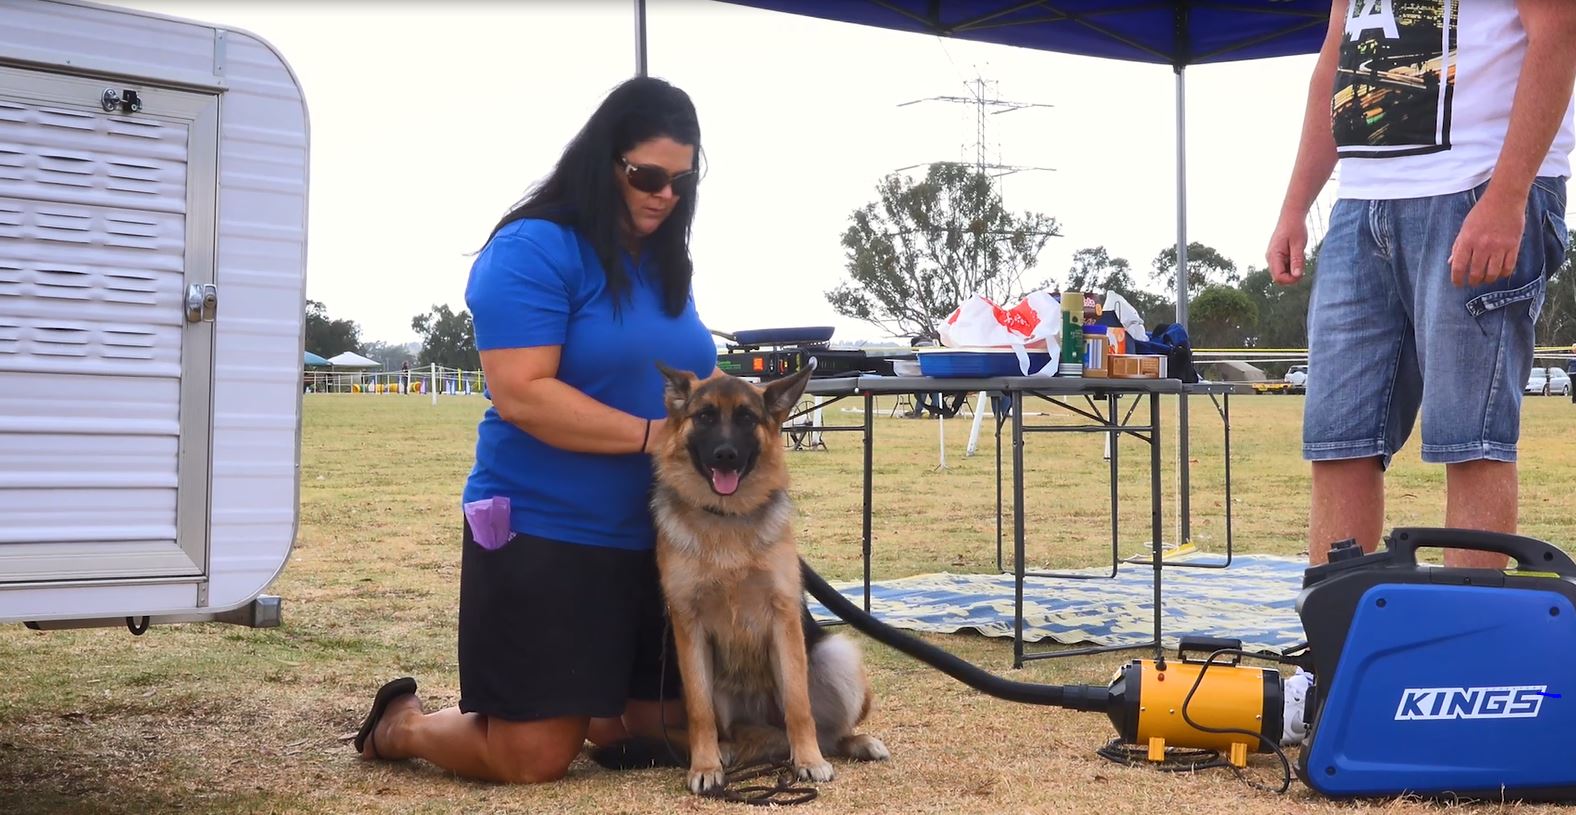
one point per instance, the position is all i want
(1225, 417)
(1113, 439)
(1184, 471)
(999, 567)
(1017, 527)
(870, 407)
(1154, 509)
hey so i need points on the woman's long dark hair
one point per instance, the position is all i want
(583, 191)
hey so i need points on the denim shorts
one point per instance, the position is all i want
(1390, 336)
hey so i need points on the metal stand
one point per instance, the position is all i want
(1108, 420)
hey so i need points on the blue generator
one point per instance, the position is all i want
(1441, 682)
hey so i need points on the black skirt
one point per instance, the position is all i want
(551, 629)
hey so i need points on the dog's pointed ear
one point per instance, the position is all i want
(679, 386)
(784, 393)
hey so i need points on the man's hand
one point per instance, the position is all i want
(1288, 246)
(1490, 239)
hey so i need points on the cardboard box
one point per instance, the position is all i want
(1137, 366)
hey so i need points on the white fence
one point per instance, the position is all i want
(433, 380)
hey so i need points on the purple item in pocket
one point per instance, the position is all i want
(489, 520)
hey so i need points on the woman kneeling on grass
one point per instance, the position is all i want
(579, 291)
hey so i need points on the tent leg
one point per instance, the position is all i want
(640, 38)
(974, 431)
(1184, 520)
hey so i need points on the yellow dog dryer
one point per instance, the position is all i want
(1196, 704)
(1229, 707)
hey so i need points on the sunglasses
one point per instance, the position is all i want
(653, 179)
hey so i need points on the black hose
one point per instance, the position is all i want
(1074, 697)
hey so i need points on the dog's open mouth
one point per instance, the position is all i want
(724, 482)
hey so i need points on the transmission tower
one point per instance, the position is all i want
(983, 96)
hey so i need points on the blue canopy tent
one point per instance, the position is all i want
(1177, 33)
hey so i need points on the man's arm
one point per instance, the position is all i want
(1490, 238)
(1315, 159)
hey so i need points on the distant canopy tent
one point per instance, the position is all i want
(351, 359)
(1177, 33)
(312, 360)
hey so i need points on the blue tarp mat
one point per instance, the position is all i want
(1253, 600)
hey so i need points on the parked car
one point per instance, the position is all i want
(1297, 377)
(1549, 381)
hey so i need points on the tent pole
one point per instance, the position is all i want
(640, 38)
(1181, 138)
(1183, 515)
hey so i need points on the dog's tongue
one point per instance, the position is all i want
(725, 482)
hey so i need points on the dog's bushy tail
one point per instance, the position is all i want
(637, 754)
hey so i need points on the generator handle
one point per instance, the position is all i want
(1530, 554)
(1207, 646)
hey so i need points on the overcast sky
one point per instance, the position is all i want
(429, 121)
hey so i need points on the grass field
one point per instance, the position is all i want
(209, 718)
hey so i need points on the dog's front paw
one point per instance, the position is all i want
(705, 780)
(864, 747)
(820, 770)
(728, 752)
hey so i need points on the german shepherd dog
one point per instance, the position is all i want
(755, 665)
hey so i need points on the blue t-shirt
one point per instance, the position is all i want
(538, 283)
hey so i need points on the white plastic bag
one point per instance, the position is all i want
(1132, 321)
(1032, 324)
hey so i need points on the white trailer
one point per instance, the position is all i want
(153, 220)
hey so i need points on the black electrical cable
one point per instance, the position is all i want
(1075, 697)
(1177, 759)
(1286, 773)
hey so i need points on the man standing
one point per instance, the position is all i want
(1452, 123)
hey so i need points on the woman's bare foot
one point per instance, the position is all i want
(387, 741)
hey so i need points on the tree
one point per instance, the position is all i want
(1282, 310)
(388, 354)
(924, 247)
(328, 337)
(1094, 269)
(1557, 321)
(1205, 266)
(1221, 317)
(447, 338)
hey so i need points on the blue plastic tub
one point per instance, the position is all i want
(978, 364)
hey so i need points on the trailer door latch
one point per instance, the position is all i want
(202, 302)
(125, 101)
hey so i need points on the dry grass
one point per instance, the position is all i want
(207, 718)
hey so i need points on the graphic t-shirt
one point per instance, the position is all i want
(1422, 96)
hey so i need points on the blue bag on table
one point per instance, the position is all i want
(1168, 340)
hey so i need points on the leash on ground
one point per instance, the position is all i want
(784, 791)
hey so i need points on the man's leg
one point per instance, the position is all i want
(1477, 358)
(1347, 502)
(1480, 495)
(1363, 384)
